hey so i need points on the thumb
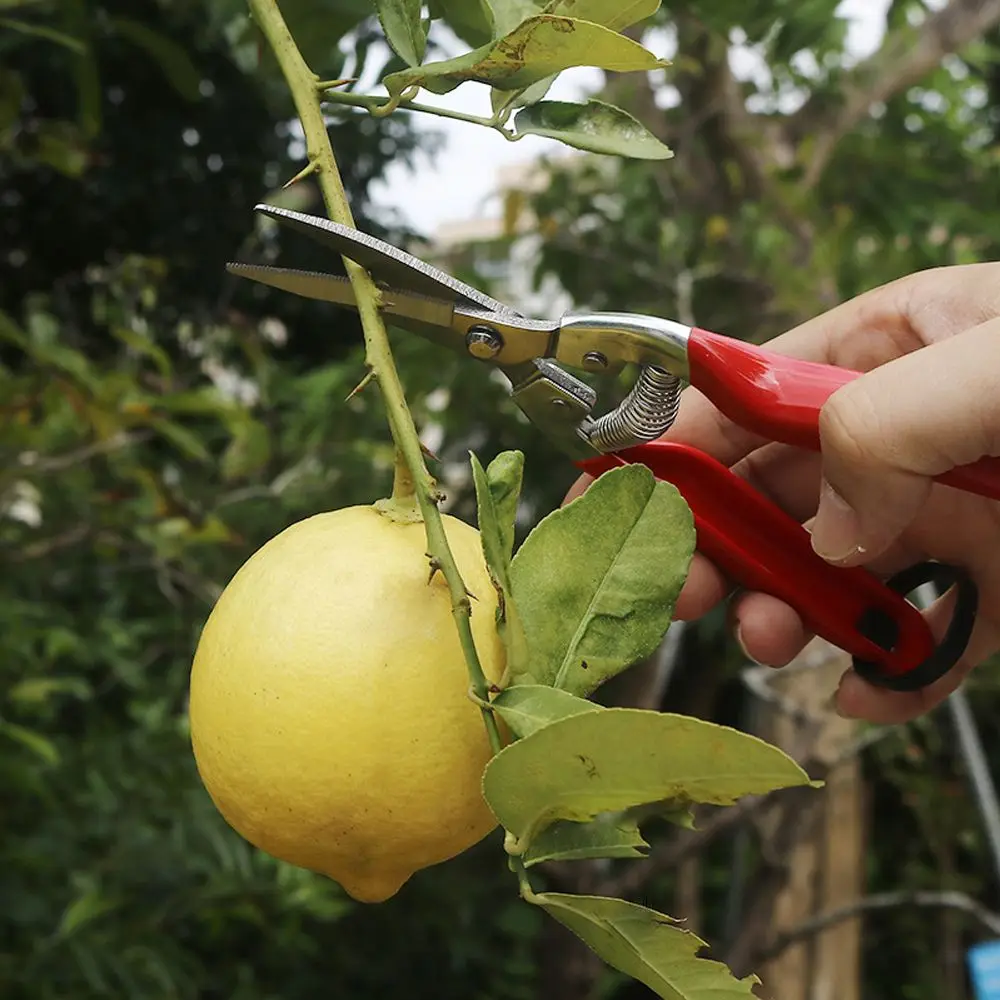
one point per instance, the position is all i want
(885, 435)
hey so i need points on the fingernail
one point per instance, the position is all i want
(743, 646)
(836, 530)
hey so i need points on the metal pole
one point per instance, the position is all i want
(974, 756)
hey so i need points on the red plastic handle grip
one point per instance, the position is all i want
(780, 398)
(760, 547)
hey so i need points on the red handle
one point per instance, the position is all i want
(758, 546)
(780, 398)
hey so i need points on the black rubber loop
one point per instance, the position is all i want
(882, 630)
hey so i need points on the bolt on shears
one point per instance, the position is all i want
(753, 541)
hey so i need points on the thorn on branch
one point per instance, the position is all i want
(435, 567)
(310, 168)
(427, 453)
(370, 377)
(322, 85)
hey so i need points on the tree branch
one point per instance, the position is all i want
(907, 54)
(888, 900)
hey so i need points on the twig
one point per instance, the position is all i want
(951, 900)
(46, 546)
(906, 55)
(374, 103)
(58, 463)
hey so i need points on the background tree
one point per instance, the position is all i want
(159, 422)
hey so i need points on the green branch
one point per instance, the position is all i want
(304, 87)
(374, 105)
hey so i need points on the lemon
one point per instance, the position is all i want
(329, 708)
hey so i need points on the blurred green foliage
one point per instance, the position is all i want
(159, 421)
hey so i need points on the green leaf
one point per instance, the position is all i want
(611, 835)
(595, 126)
(622, 758)
(39, 745)
(181, 438)
(41, 31)
(508, 14)
(85, 908)
(248, 452)
(38, 690)
(404, 28)
(535, 49)
(471, 20)
(173, 60)
(595, 582)
(500, 99)
(613, 14)
(504, 475)
(497, 491)
(143, 345)
(526, 708)
(646, 945)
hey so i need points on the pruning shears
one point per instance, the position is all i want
(755, 543)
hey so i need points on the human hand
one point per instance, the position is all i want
(929, 401)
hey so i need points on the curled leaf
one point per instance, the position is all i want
(595, 126)
(647, 946)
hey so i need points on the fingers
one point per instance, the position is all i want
(861, 334)
(885, 435)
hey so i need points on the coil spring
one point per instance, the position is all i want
(643, 415)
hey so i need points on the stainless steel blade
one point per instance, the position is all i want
(405, 308)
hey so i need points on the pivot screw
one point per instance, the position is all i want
(594, 361)
(483, 342)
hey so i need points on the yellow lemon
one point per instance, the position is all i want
(330, 719)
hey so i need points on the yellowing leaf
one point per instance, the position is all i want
(594, 126)
(595, 582)
(646, 945)
(622, 758)
(404, 28)
(535, 49)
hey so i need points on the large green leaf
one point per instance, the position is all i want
(535, 49)
(404, 28)
(646, 945)
(595, 582)
(595, 126)
(622, 758)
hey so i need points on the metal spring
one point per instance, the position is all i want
(643, 415)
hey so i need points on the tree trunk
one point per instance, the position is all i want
(825, 867)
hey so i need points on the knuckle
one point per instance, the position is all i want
(850, 426)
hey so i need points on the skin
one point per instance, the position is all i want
(929, 401)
